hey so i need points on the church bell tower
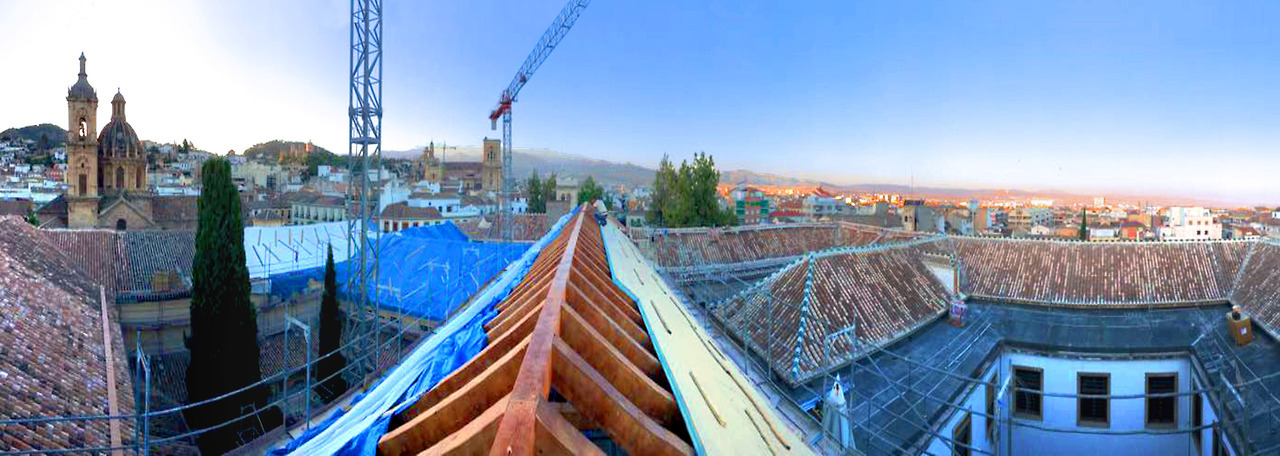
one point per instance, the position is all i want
(82, 152)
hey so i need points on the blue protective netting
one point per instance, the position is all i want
(446, 230)
(427, 274)
(430, 278)
(356, 430)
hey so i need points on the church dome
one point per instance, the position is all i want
(82, 89)
(118, 140)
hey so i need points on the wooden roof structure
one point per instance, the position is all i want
(568, 352)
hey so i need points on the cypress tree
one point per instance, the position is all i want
(224, 326)
(330, 337)
(1084, 225)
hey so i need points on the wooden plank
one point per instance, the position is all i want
(597, 398)
(113, 404)
(499, 348)
(593, 311)
(573, 416)
(449, 415)
(640, 357)
(557, 436)
(517, 433)
(516, 312)
(618, 311)
(602, 356)
(474, 438)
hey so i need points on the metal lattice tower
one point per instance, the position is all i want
(550, 39)
(364, 153)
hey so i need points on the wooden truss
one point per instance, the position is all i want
(568, 352)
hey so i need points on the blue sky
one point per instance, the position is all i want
(1094, 97)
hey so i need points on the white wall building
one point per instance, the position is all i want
(1189, 224)
(1049, 398)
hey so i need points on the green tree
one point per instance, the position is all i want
(32, 218)
(1084, 225)
(330, 337)
(223, 340)
(661, 194)
(537, 201)
(548, 190)
(590, 191)
(688, 196)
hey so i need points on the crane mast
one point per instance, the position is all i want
(550, 39)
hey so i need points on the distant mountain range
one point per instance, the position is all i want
(545, 161)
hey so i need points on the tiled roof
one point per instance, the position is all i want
(19, 207)
(1258, 290)
(789, 317)
(525, 227)
(565, 328)
(1100, 274)
(54, 213)
(95, 253)
(315, 199)
(52, 357)
(148, 253)
(183, 209)
(691, 247)
(403, 211)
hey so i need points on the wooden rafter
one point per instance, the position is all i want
(568, 329)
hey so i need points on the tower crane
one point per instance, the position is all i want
(550, 39)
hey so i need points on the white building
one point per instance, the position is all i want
(1189, 224)
(815, 207)
(1027, 217)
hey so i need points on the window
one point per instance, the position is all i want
(1093, 411)
(1197, 417)
(1162, 411)
(83, 185)
(119, 178)
(121, 225)
(991, 404)
(961, 436)
(1028, 381)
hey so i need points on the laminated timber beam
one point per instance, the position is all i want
(568, 352)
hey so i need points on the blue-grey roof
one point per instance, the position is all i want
(891, 421)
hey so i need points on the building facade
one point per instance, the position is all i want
(1190, 224)
(485, 175)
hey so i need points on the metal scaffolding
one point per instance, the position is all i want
(364, 154)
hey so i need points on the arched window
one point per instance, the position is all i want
(84, 127)
(138, 175)
(121, 224)
(119, 178)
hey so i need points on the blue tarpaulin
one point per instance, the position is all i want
(430, 277)
(446, 231)
(425, 275)
(356, 431)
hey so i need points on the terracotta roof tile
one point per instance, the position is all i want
(52, 356)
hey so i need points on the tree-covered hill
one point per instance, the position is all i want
(54, 134)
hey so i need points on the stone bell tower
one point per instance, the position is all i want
(82, 152)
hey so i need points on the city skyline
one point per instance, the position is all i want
(1084, 98)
